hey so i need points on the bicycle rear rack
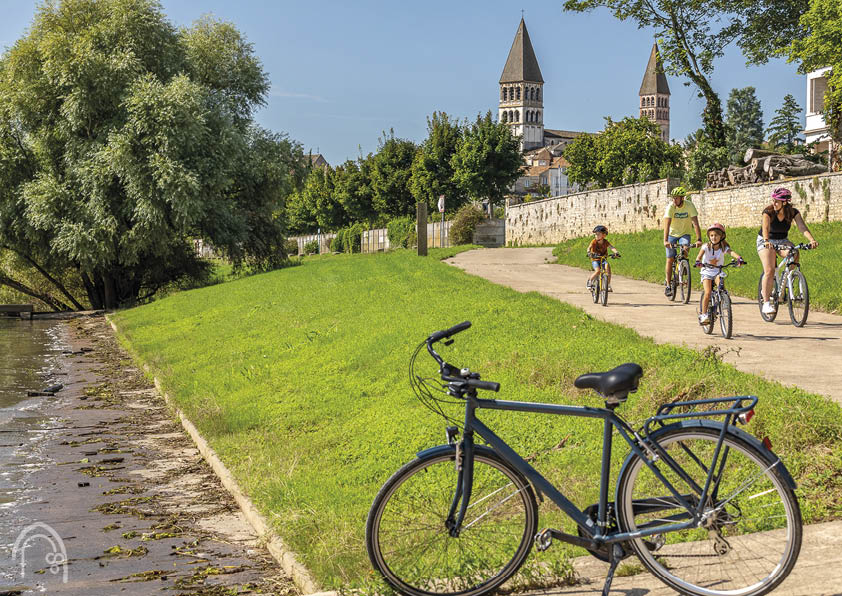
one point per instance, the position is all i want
(738, 406)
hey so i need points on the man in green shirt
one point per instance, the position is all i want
(680, 219)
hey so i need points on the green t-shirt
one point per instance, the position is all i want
(681, 223)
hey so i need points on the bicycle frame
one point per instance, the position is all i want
(782, 271)
(596, 536)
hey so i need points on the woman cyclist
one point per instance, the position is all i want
(776, 220)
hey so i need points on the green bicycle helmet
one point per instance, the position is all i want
(679, 191)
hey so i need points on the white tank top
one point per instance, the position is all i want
(713, 257)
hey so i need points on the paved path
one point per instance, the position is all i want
(809, 357)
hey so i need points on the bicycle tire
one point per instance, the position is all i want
(406, 533)
(726, 323)
(685, 280)
(706, 327)
(755, 502)
(798, 298)
(770, 317)
(595, 290)
(603, 290)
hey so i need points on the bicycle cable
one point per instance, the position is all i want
(423, 388)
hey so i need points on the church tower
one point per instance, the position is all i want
(655, 94)
(521, 92)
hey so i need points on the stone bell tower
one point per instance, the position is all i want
(655, 94)
(522, 92)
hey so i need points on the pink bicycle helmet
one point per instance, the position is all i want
(782, 194)
(717, 226)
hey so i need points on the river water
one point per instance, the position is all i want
(30, 360)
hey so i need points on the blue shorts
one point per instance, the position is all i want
(682, 240)
(595, 265)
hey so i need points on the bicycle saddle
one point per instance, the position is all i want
(614, 385)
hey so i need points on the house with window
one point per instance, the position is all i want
(816, 129)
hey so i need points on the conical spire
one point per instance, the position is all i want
(521, 64)
(654, 79)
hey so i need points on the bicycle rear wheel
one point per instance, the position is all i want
(684, 280)
(771, 316)
(595, 290)
(409, 541)
(706, 327)
(798, 298)
(751, 533)
(725, 320)
(673, 283)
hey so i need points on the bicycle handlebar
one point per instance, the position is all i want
(611, 256)
(731, 264)
(439, 335)
(446, 370)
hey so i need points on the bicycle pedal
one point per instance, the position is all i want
(543, 540)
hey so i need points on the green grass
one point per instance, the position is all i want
(643, 258)
(298, 379)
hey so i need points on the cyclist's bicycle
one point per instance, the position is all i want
(599, 288)
(680, 276)
(720, 301)
(708, 508)
(789, 286)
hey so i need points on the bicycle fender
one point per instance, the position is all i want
(437, 450)
(712, 424)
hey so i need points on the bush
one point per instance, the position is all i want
(336, 243)
(401, 231)
(291, 247)
(464, 224)
(311, 248)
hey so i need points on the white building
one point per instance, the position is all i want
(816, 129)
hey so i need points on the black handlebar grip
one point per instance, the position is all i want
(448, 332)
(484, 385)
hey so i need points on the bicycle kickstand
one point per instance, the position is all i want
(616, 557)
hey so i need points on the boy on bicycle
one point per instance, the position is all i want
(680, 219)
(713, 253)
(599, 248)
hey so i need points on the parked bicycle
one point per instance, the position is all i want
(680, 277)
(707, 508)
(789, 287)
(720, 302)
(599, 288)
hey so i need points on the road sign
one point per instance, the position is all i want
(441, 203)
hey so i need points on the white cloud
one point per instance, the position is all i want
(294, 95)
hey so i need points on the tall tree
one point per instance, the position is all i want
(743, 123)
(703, 157)
(391, 169)
(123, 138)
(353, 190)
(785, 127)
(820, 48)
(689, 44)
(432, 172)
(487, 160)
(764, 29)
(627, 151)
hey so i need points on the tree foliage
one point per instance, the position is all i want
(122, 139)
(432, 172)
(818, 48)
(689, 42)
(763, 29)
(785, 128)
(627, 151)
(391, 169)
(743, 123)
(703, 157)
(487, 160)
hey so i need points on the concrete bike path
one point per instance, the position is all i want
(818, 571)
(809, 357)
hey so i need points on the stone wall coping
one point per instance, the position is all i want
(593, 190)
(765, 183)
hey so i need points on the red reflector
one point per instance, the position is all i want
(746, 417)
(767, 443)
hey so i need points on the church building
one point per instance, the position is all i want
(655, 94)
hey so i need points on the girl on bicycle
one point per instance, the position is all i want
(776, 220)
(599, 248)
(712, 253)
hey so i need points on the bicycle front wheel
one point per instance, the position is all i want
(408, 533)
(595, 290)
(725, 320)
(684, 280)
(751, 532)
(603, 289)
(798, 298)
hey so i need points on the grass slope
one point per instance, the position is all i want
(298, 379)
(643, 258)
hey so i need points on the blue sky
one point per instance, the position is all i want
(343, 72)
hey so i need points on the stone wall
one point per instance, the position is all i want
(629, 208)
(638, 207)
